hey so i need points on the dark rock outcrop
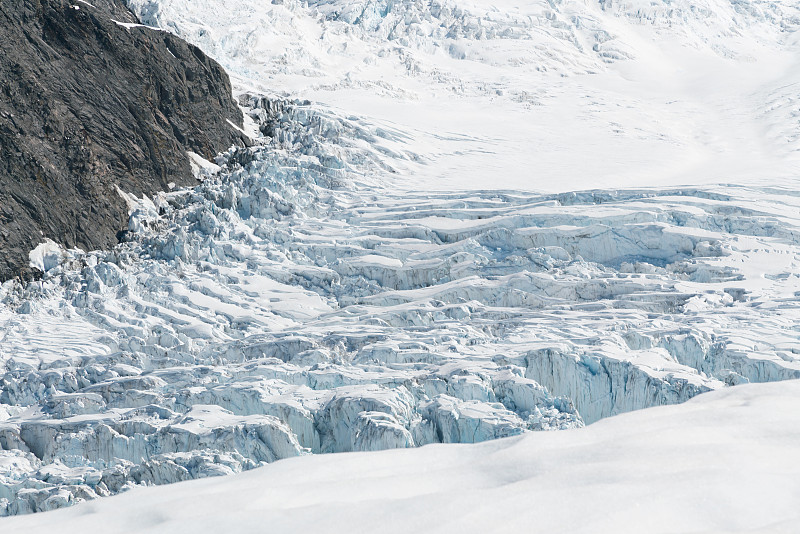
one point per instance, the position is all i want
(89, 103)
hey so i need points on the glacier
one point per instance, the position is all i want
(409, 255)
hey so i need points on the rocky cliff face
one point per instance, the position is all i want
(91, 101)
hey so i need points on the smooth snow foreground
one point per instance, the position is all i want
(722, 462)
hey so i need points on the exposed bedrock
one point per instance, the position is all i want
(91, 101)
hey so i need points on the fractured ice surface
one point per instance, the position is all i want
(272, 312)
(725, 459)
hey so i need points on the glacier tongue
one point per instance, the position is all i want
(279, 309)
(298, 301)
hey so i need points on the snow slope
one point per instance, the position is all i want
(723, 462)
(472, 229)
(541, 95)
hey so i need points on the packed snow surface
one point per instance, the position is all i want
(723, 462)
(459, 222)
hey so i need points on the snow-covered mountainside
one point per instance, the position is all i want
(460, 222)
(723, 462)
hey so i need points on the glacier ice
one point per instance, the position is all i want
(272, 312)
(298, 302)
(725, 459)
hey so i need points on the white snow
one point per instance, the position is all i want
(200, 165)
(131, 25)
(538, 96)
(724, 461)
(46, 255)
